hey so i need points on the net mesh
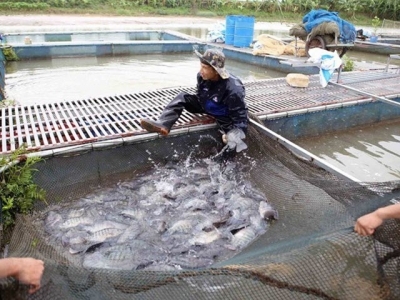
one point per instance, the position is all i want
(311, 252)
(390, 26)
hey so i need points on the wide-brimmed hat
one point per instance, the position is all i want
(216, 59)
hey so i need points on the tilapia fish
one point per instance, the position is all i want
(205, 238)
(83, 243)
(74, 222)
(102, 235)
(187, 215)
(242, 238)
(117, 260)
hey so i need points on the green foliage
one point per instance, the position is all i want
(348, 64)
(264, 10)
(376, 22)
(23, 6)
(18, 193)
(34, 243)
(203, 13)
(6, 103)
(351, 7)
(9, 53)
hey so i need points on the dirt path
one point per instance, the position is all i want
(19, 23)
(46, 20)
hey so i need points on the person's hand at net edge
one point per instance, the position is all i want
(26, 270)
(234, 139)
(366, 225)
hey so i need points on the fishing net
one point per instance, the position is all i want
(310, 252)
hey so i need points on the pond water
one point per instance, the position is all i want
(369, 154)
(61, 79)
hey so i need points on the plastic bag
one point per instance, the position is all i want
(329, 62)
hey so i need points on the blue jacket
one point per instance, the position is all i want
(224, 100)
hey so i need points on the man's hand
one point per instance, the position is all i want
(28, 271)
(367, 224)
(234, 139)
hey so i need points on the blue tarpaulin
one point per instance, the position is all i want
(318, 16)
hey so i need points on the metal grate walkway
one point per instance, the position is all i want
(57, 125)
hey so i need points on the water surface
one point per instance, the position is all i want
(370, 153)
(62, 79)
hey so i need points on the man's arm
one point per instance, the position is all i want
(236, 104)
(238, 111)
(367, 224)
(26, 270)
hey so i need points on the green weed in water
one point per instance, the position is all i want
(18, 192)
(9, 53)
(348, 64)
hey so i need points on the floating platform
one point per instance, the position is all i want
(42, 45)
(97, 122)
(113, 120)
(384, 46)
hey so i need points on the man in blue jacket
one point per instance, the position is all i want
(219, 94)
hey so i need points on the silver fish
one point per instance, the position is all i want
(137, 214)
(118, 253)
(160, 225)
(164, 187)
(242, 238)
(74, 237)
(147, 190)
(73, 222)
(205, 238)
(196, 204)
(102, 235)
(82, 248)
(100, 225)
(184, 216)
(53, 219)
(241, 203)
(76, 213)
(99, 260)
(130, 233)
(181, 226)
(267, 212)
(258, 224)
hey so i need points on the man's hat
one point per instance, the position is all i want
(216, 59)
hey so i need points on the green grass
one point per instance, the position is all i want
(143, 10)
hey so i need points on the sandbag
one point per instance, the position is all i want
(268, 44)
(290, 48)
(297, 80)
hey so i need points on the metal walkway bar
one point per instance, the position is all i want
(71, 123)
